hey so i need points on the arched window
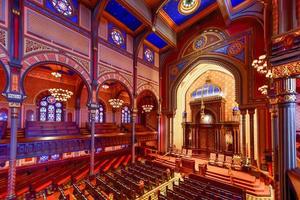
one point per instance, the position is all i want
(3, 114)
(50, 110)
(126, 115)
(100, 114)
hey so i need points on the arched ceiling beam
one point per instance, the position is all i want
(140, 9)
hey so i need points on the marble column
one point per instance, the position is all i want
(171, 142)
(134, 115)
(243, 114)
(13, 153)
(92, 158)
(287, 133)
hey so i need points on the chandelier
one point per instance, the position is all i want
(56, 74)
(60, 94)
(147, 107)
(116, 103)
(262, 67)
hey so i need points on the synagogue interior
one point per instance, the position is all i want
(149, 99)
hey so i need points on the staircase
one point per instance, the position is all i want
(252, 185)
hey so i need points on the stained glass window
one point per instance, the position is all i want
(100, 114)
(55, 157)
(126, 115)
(43, 159)
(148, 55)
(50, 110)
(63, 6)
(3, 114)
(117, 37)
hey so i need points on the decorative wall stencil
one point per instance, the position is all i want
(83, 62)
(32, 46)
(102, 69)
(140, 82)
(3, 38)
(235, 48)
(206, 39)
(200, 42)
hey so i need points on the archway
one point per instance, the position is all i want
(45, 83)
(109, 94)
(147, 105)
(188, 84)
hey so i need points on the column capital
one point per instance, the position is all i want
(243, 111)
(251, 111)
(286, 92)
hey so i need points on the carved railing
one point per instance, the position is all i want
(218, 137)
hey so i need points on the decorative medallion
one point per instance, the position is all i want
(117, 37)
(174, 71)
(148, 55)
(200, 42)
(63, 6)
(235, 48)
(187, 7)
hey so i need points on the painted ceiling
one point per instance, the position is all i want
(172, 10)
(126, 15)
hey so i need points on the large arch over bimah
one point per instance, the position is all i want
(200, 75)
(57, 90)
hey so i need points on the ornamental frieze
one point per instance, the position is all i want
(103, 70)
(32, 46)
(83, 62)
(3, 38)
(290, 69)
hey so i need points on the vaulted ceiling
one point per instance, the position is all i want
(169, 17)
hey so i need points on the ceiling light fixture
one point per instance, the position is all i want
(187, 7)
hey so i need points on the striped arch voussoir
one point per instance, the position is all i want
(55, 58)
(115, 76)
(147, 87)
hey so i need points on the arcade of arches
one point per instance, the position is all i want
(171, 99)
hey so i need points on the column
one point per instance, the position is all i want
(171, 142)
(92, 110)
(13, 152)
(274, 130)
(287, 133)
(134, 115)
(77, 115)
(243, 114)
(158, 131)
(251, 112)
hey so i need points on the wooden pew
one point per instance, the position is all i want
(42, 129)
(77, 193)
(93, 191)
(62, 195)
(109, 189)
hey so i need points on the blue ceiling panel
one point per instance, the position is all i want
(157, 41)
(235, 3)
(123, 15)
(171, 8)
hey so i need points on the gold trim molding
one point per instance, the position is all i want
(286, 70)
